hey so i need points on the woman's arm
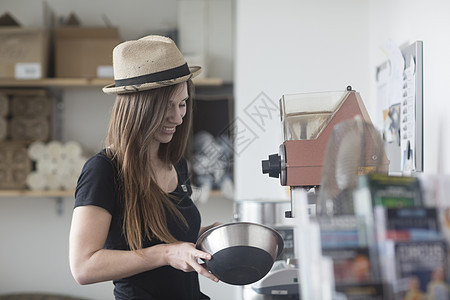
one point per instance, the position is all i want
(91, 263)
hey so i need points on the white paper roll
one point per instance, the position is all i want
(36, 151)
(36, 181)
(54, 150)
(53, 182)
(64, 167)
(47, 166)
(72, 149)
(58, 165)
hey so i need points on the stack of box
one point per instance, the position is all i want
(29, 117)
(24, 118)
(15, 165)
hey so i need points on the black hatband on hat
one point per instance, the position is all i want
(169, 74)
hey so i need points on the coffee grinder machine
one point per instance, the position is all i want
(308, 121)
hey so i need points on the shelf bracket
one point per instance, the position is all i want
(59, 206)
(58, 116)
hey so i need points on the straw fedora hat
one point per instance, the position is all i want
(151, 62)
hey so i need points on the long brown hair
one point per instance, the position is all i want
(135, 119)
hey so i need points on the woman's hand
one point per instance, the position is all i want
(184, 257)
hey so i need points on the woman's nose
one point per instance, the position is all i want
(175, 115)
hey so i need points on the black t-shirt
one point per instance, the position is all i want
(97, 185)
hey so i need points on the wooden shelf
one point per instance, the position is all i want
(83, 82)
(43, 194)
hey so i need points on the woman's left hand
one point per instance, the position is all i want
(184, 257)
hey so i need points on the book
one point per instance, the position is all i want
(365, 291)
(392, 191)
(341, 231)
(375, 190)
(407, 223)
(420, 268)
(350, 264)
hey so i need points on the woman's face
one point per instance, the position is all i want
(175, 112)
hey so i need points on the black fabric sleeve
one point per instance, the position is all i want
(97, 184)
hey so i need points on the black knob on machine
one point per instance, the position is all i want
(272, 166)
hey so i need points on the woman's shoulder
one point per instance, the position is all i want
(99, 165)
(97, 184)
(99, 160)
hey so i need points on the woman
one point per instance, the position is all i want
(134, 221)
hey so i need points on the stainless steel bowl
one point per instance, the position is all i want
(242, 252)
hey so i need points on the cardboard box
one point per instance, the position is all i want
(23, 52)
(84, 52)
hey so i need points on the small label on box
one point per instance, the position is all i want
(28, 71)
(105, 72)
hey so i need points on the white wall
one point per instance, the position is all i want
(205, 35)
(285, 47)
(404, 22)
(304, 46)
(34, 249)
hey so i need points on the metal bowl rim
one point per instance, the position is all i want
(205, 234)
